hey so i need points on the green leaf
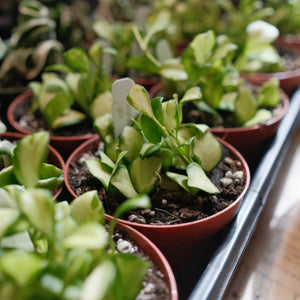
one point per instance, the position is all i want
(149, 149)
(262, 115)
(101, 105)
(122, 182)
(144, 173)
(100, 170)
(20, 240)
(132, 271)
(58, 68)
(173, 69)
(104, 127)
(50, 183)
(88, 208)
(8, 216)
(182, 180)
(171, 116)
(207, 151)
(190, 130)
(268, 93)
(6, 147)
(198, 179)
(73, 117)
(48, 171)
(245, 105)
(88, 236)
(97, 284)
(138, 97)
(158, 22)
(38, 206)
(29, 265)
(77, 59)
(7, 176)
(131, 141)
(191, 94)
(153, 133)
(202, 46)
(28, 156)
(95, 52)
(156, 104)
(105, 159)
(142, 63)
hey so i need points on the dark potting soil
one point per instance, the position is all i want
(34, 122)
(168, 208)
(227, 119)
(291, 58)
(154, 284)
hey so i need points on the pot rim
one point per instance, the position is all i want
(208, 219)
(16, 126)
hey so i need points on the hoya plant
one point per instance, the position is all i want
(285, 16)
(227, 100)
(56, 250)
(75, 90)
(156, 149)
(32, 45)
(257, 53)
(155, 55)
(139, 50)
(24, 163)
(117, 39)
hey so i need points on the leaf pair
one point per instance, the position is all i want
(27, 165)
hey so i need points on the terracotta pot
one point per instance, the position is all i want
(156, 256)
(252, 141)
(290, 79)
(181, 234)
(7, 95)
(53, 156)
(64, 144)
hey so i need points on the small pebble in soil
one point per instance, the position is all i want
(229, 161)
(228, 174)
(137, 219)
(226, 181)
(238, 175)
(164, 201)
(152, 213)
(125, 246)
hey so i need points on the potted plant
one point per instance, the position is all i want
(31, 46)
(264, 56)
(245, 115)
(170, 161)
(66, 100)
(74, 21)
(65, 251)
(137, 50)
(30, 162)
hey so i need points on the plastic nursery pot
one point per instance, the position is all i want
(165, 236)
(252, 141)
(155, 255)
(53, 156)
(64, 144)
(7, 95)
(289, 80)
